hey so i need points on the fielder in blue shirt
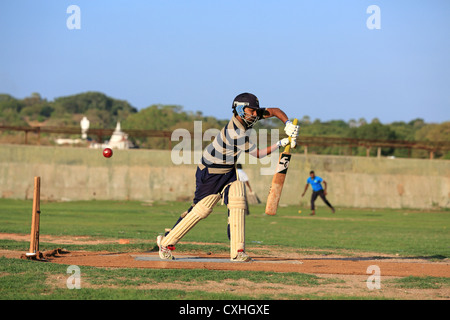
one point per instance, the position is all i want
(318, 191)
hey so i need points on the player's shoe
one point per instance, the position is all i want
(242, 257)
(164, 252)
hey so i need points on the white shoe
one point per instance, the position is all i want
(241, 257)
(164, 252)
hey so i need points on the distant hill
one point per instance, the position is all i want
(102, 111)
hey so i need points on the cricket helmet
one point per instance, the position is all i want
(247, 100)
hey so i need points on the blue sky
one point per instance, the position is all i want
(315, 58)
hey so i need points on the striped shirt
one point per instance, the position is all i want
(221, 155)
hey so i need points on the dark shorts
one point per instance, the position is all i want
(207, 183)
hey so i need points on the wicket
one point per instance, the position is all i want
(35, 219)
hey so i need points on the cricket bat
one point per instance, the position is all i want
(278, 180)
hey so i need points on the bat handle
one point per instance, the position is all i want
(288, 147)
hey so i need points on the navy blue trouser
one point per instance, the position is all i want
(320, 194)
(208, 183)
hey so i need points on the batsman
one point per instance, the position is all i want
(216, 175)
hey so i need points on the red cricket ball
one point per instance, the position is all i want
(107, 153)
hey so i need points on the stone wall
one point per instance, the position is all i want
(70, 173)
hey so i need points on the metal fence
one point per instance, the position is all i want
(305, 141)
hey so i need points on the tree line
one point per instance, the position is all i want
(104, 112)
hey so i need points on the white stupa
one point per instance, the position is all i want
(119, 139)
(84, 123)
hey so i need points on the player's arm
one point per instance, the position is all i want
(278, 113)
(261, 153)
(275, 112)
(324, 187)
(306, 188)
(290, 129)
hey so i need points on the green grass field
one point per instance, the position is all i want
(406, 233)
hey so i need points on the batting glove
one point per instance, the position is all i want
(293, 143)
(283, 142)
(291, 129)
